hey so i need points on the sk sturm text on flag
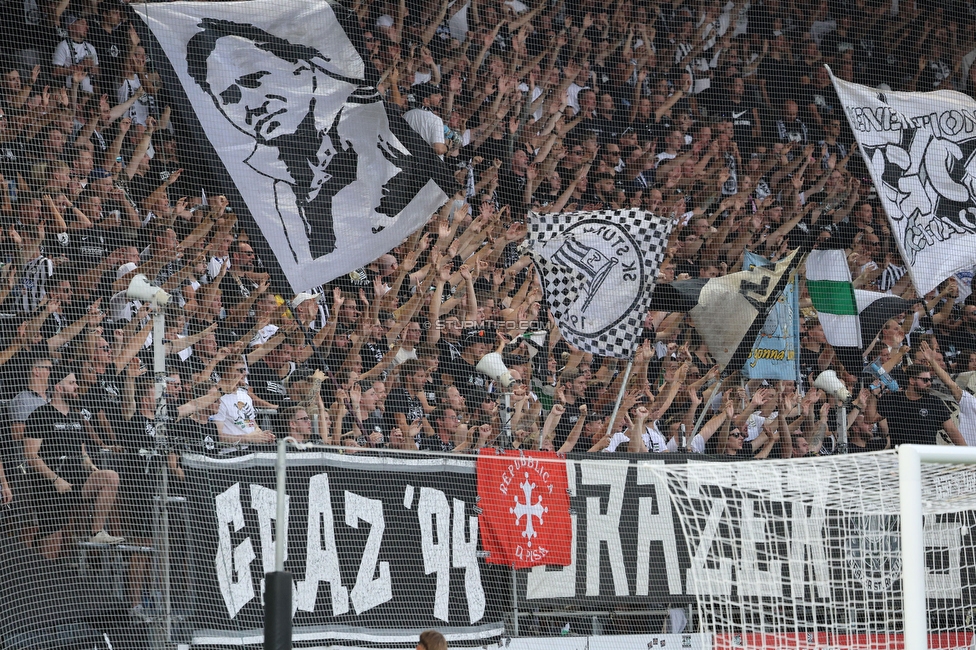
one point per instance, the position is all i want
(524, 500)
(919, 149)
(288, 102)
(598, 270)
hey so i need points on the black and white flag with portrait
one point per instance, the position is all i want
(598, 270)
(920, 149)
(332, 178)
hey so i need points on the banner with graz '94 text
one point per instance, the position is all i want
(381, 547)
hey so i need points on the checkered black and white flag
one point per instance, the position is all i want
(598, 270)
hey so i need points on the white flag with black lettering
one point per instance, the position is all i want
(919, 149)
(288, 101)
(598, 270)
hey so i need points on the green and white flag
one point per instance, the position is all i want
(832, 293)
(851, 318)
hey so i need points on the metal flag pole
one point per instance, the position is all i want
(277, 592)
(159, 370)
(620, 394)
(715, 386)
(701, 416)
(141, 289)
(842, 428)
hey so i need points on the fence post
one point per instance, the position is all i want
(277, 585)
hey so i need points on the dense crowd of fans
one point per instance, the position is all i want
(718, 113)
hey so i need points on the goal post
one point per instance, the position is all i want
(910, 487)
(860, 551)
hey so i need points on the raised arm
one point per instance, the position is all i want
(575, 433)
(926, 354)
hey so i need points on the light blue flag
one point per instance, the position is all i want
(776, 352)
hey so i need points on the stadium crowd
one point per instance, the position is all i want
(718, 113)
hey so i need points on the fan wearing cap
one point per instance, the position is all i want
(305, 307)
(76, 54)
(426, 98)
(311, 318)
(964, 398)
(55, 449)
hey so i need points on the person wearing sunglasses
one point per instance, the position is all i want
(964, 398)
(914, 415)
(733, 442)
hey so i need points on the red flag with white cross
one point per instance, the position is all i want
(524, 500)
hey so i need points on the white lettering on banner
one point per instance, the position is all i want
(322, 556)
(754, 581)
(945, 537)
(236, 592)
(522, 463)
(788, 507)
(652, 527)
(434, 513)
(605, 527)
(373, 585)
(557, 582)
(700, 576)
(805, 534)
(807, 550)
(369, 592)
(466, 557)
(807, 555)
(264, 502)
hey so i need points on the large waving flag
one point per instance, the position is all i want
(851, 318)
(599, 271)
(832, 293)
(285, 97)
(730, 311)
(919, 148)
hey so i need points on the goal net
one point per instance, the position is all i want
(809, 553)
(408, 230)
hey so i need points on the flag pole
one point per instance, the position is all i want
(716, 386)
(620, 394)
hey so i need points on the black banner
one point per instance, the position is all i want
(379, 548)
(629, 548)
